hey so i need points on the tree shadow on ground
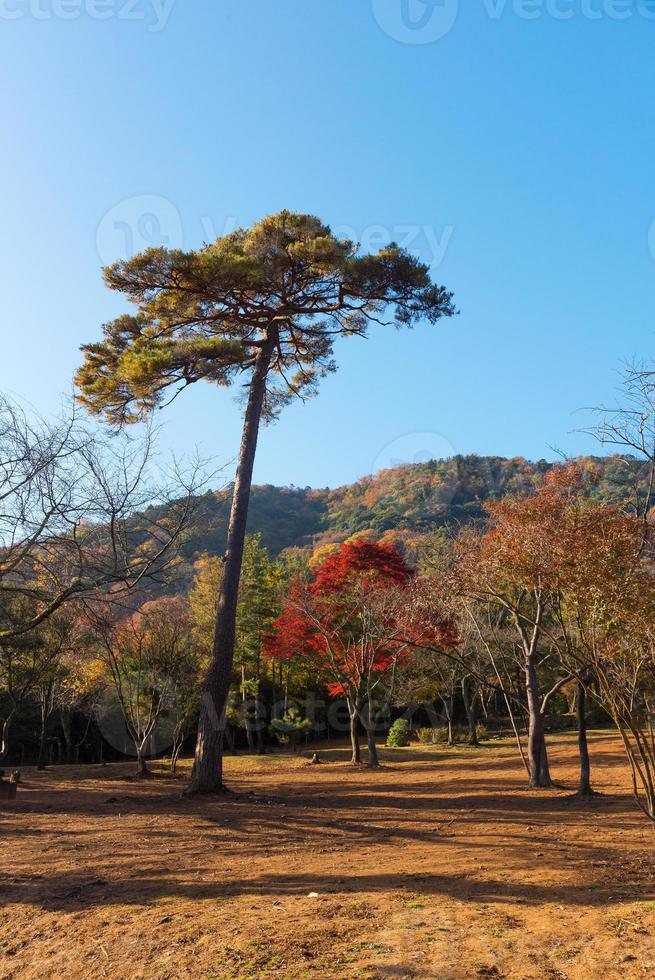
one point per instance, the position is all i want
(82, 891)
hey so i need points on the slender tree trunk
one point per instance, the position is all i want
(249, 735)
(259, 728)
(65, 721)
(78, 745)
(354, 735)
(43, 747)
(585, 763)
(246, 712)
(207, 774)
(6, 733)
(448, 707)
(373, 759)
(537, 754)
(469, 707)
(43, 739)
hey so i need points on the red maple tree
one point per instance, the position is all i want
(347, 623)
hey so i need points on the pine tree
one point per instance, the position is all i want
(264, 304)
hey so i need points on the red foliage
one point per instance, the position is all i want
(379, 564)
(324, 621)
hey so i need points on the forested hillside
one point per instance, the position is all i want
(412, 499)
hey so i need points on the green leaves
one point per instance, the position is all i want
(202, 315)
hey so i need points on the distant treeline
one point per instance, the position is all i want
(406, 501)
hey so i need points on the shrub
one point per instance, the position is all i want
(481, 732)
(425, 735)
(287, 730)
(398, 736)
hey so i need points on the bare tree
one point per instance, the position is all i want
(630, 428)
(79, 515)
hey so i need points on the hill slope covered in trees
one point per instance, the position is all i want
(409, 500)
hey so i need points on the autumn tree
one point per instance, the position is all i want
(347, 621)
(82, 689)
(263, 306)
(511, 567)
(147, 655)
(51, 689)
(446, 659)
(604, 608)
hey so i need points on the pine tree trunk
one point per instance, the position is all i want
(585, 762)
(207, 776)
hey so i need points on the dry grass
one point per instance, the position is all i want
(440, 865)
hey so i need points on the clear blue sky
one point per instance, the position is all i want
(526, 147)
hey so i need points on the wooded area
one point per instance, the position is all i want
(463, 606)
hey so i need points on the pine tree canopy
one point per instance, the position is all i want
(203, 315)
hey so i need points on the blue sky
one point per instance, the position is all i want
(516, 152)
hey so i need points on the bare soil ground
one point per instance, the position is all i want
(440, 865)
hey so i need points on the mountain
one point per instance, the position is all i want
(409, 499)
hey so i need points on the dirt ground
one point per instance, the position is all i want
(440, 865)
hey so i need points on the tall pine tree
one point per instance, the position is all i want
(262, 304)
